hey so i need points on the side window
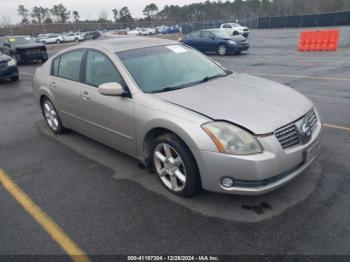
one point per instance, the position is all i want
(227, 26)
(206, 34)
(194, 35)
(55, 65)
(99, 70)
(69, 66)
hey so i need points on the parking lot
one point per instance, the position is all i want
(105, 203)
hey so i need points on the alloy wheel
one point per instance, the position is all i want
(50, 115)
(222, 50)
(170, 167)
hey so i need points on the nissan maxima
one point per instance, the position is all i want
(194, 123)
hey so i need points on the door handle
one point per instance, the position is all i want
(86, 96)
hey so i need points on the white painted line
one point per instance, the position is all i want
(27, 74)
(305, 77)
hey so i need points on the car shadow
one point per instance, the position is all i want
(226, 206)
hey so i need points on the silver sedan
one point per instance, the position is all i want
(195, 124)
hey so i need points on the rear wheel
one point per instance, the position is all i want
(175, 166)
(222, 49)
(58, 41)
(18, 59)
(51, 116)
(76, 40)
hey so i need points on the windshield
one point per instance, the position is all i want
(21, 40)
(166, 68)
(221, 34)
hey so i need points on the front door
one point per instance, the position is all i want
(110, 118)
(64, 83)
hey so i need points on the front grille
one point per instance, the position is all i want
(245, 30)
(289, 136)
(33, 51)
(3, 64)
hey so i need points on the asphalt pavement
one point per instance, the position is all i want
(107, 204)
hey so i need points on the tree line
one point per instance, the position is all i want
(208, 10)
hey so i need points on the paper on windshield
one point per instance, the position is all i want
(177, 49)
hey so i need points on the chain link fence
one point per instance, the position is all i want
(312, 20)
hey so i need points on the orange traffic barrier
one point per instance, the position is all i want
(325, 40)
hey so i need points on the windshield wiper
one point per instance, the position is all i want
(169, 88)
(207, 78)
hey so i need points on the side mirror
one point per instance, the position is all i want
(111, 89)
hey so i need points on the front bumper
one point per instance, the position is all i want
(8, 72)
(33, 57)
(256, 174)
(238, 47)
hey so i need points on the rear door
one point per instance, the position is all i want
(208, 43)
(110, 119)
(193, 39)
(64, 83)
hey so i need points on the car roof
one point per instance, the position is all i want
(124, 43)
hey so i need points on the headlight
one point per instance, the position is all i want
(12, 62)
(230, 139)
(232, 42)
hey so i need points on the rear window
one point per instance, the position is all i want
(55, 65)
(69, 65)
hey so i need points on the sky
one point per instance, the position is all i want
(88, 9)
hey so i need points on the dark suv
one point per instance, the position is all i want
(23, 49)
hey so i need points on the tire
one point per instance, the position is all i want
(58, 41)
(18, 59)
(14, 78)
(43, 60)
(222, 50)
(51, 116)
(175, 166)
(76, 40)
(238, 52)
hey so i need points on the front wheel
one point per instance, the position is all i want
(175, 166)
(222, 50)
(58, 41)
(51, 116)
(18, 59)
(14, 78)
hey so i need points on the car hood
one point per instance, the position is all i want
(260, 105)
(4, 57)
(29, 46)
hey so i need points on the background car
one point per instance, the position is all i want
(216, 41)
(135, 31)
(52, 39)
(72, 37)
(234, 28)
(148, 31)
(91, 35)
(8, 67)
(24, 49)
